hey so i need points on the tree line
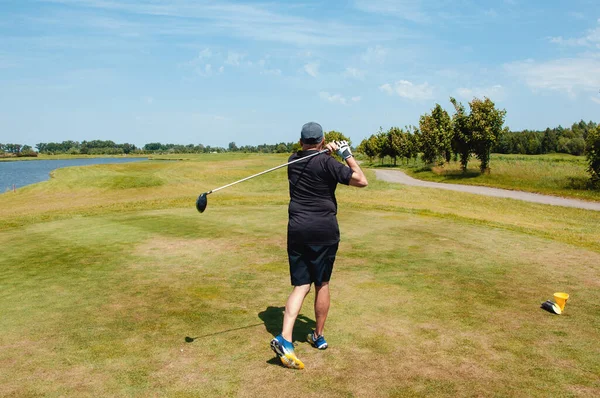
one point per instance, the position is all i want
(100, 147)
(17, 150)
(441, 137)
(552, 140)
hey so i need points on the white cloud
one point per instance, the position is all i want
(272, 72)
(406, 89)
(312, 69)
(354, 73)
(491, 13)
(406, 9)
(387, 88)
(271, 22)
(207, 70)
(337, 98)
(205, 54)
(570, 75)
(577, 15)
(494, 92)
(234, 58)
(199, 64)
(375, 55)
(264, 69)
(591, 39)
(596, 100)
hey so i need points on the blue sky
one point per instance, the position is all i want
(253, 72)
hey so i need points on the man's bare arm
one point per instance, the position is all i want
(358, 177)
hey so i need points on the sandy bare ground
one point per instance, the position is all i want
(400, 177)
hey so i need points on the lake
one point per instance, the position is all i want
(21, 173)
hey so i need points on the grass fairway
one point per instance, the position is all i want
(106, 269)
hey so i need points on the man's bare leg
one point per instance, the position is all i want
(292, 309)
(321, 306)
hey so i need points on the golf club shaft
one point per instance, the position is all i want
(267, 171)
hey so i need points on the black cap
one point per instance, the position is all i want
(312, 133)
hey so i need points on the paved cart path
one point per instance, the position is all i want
(400, 177)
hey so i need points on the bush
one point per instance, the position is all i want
(29, 154)
(592, 153)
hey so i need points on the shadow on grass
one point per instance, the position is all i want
(459, 175)
(580, 184)
(385, 166)
(423, 169)
(273, 320)
(189, 339)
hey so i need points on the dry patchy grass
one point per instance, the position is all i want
(434, 293)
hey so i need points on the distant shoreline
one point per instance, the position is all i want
(16, 174)
(67, 157)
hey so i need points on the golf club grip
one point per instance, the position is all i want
(272, 169)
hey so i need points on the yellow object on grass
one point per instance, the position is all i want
(561, 300)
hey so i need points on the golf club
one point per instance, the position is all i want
(202, 200)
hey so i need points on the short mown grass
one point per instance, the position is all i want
(553, 174)
(435, 293)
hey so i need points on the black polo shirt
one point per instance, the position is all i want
(313, 207)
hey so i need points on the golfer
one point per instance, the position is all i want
(313, 232)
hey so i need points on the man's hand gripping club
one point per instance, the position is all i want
(343, 149)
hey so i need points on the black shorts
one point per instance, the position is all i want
(311, 263)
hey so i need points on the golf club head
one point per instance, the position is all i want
(201, 203)
(189, 339)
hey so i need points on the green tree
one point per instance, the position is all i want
(369, 147)
(592, 153)
(128, 148)
(13, 148)
(153, 146)
(486, 124)
(443, 126)
(395, 143)
(436, 134)
(414, 142)
(576, 146)
(382, 144)
(336, 136)
(549, 141)
(26, 150)
(430, 144)
(533, 144)
(462, 137)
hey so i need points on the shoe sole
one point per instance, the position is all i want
(287, 360)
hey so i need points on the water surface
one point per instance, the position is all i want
(26, 172)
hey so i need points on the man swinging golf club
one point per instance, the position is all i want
(313, 232)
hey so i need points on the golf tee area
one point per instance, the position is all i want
(112, 284)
